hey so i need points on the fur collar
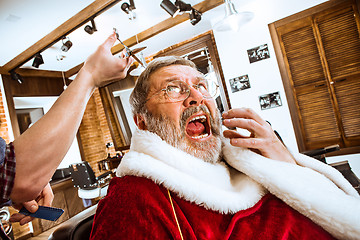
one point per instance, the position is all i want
(331, 202)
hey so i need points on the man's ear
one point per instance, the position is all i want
(140, 122)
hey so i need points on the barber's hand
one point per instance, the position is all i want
(104, 67)
(45, 199)
(262, 139)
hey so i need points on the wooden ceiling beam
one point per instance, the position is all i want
(82, 17)
(156, 29)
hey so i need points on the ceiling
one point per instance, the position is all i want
(25, 22)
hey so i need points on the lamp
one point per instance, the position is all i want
(184, 7)
(38, 60)
(195, 16)
(170, 8)
(66, 45)
(232, 20)
(15, 76)
(180, 7)
(128, 9)
(90, 29)
(140, 68)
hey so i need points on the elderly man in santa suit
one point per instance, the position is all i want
(184, 178)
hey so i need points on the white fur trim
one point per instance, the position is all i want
(313, 188)
(311, 192)
(213, 186)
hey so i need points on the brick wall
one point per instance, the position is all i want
(95, 133)
(4, 130)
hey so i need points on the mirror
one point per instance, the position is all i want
(201, 50)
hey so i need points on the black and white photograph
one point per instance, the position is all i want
(258, 53)
(239, 83)
(270, 100)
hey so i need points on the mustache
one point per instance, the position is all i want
(214, 123)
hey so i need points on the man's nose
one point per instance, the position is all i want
(195, 98)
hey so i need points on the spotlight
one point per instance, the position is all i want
(184, 7)
(195, 16)
(170, 8)
(90, 29)
(181, 7)
(66, 45)
(128, 9)
(15, 76)
(38, 60)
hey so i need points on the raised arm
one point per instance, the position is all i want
(41, 148)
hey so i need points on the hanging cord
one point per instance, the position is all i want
(137, 40)
(177, 222)
(63, 76)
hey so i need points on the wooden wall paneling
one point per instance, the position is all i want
(73, 201)
(58, 202)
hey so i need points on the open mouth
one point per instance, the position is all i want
(198, 127)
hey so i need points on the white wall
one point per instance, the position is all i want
(264, 75)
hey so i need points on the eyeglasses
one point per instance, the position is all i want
(178, 90)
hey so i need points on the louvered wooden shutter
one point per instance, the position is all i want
(322, 57)
(340, 38)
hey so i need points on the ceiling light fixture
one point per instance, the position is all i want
(15, 76)
(66, 45)
(38, 60)
(184, 7)
(195, 16)
(170, 8)
(90, 29)
(129, 9)
(233, 20)
(181, 7)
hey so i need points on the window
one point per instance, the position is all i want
(318, 51)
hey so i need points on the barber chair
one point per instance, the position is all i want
(343, 167)
(319, 153)
(89, 186)
(76, 228)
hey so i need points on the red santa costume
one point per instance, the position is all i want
(162, 192)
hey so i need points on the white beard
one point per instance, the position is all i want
(209, 151)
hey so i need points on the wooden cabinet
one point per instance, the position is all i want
(317, 51)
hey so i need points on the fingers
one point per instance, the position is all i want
(246, 113)
(31, 206)
(251, 143)
(109, 42)
(233, 134)
(47, 196)
(249, 124)
(22, 219)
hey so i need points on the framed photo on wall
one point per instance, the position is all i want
(258, 53)
(239, 83)
(270, 100)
